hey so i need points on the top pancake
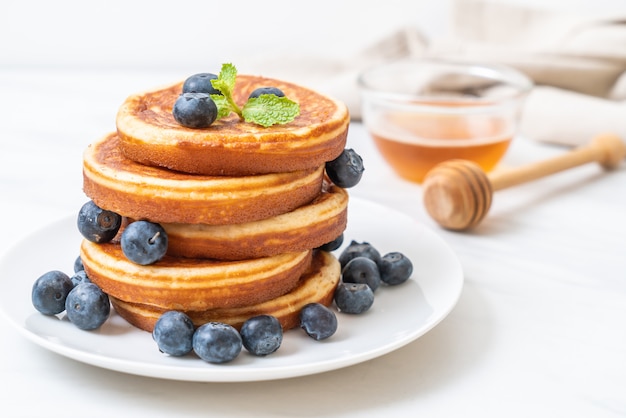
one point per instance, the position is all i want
(150, 135)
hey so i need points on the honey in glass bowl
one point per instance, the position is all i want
(418, 142)
(451, 111)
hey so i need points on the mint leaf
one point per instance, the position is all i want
(223, 106)
(268, 109)
(225, 81)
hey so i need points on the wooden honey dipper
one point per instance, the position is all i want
(457, 193)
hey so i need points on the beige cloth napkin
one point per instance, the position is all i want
(577, 63)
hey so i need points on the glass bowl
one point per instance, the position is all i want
(423, 112)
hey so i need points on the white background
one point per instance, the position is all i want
(188, 35)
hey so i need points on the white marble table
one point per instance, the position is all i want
(539, 330)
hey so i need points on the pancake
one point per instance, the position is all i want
(306, 227)
(138, 191)
(317, 284)
(150, 135)
(192, 284)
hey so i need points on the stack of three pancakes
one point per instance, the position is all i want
(245, 208)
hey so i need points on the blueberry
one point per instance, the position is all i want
(97, 224)
(262, 334)
(217, 342)
(395, 268)
(358, 249)
(362, 270)
(80, 277)
(87, 306)
(266, 90)
(173, 333)
(50, 291)
(353, 298)
(195, 110)
(78, 264)
(346, 170)
(332, 245)
(144, 242)
(318, 321)
(200, 83)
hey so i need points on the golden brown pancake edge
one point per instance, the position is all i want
(137, 191)
(317, 285)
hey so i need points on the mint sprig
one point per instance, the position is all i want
(269, 109)
(265, 110)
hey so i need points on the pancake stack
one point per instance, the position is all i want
(245, 208)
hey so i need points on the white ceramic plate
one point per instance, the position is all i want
(399, 315)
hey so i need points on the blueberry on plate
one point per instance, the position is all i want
(96, 224)
(266, 90)
(353, 298)
(346, 170)
(50, 291)
(200, 83)
(262, 334)
(195, 110)
(87, 306)
(216, 342)
(358, 249)
(80, 277)
(318, 321)
(173, 333)
(395, 268)
(144, 242)
(362, 270)
(78, 264)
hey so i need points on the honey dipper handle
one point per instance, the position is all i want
(608, 150)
